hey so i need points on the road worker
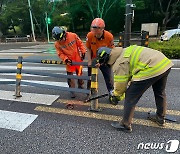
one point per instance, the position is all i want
(69, 47)
(98, 37)
(142, 67)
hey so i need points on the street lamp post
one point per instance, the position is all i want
(32, 25)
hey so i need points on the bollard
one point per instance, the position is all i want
(18, 77)
(94, 89)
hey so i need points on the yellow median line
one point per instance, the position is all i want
(99, 116)
(119, 107)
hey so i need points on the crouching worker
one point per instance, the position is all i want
(69, 47)
(142, 67)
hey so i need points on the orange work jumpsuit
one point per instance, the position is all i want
(70, 48)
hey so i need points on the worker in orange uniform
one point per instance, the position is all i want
(69, 47)
(98, 37)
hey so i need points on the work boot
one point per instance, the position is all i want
(72, 95)
(121, 127)
(157, 119)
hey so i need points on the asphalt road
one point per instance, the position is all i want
(57, 130)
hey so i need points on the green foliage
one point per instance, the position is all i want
(170, 48)
(80, 14)
(61, 20)
(14, 14)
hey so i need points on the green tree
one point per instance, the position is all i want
(169, 10)
(11, 15)
(100, 8)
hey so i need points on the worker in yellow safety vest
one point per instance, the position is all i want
(135, 69)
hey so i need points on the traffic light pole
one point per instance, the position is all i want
(128, 17)
(32, 25)
(47, 26)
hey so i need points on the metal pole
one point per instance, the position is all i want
(32, 25)
(47, 27)
(128, 17)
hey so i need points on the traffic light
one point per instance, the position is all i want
(145, 38)
(48, 20)
(121, 39)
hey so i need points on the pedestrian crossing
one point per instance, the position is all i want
(19, 121)
(45, 101)
(39, 79)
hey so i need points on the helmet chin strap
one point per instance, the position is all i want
(99, 35)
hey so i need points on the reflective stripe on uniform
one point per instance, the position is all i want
(128, 51)
(135, 58)
(141, 65)
(80, 70)
(102, 53)
(151, 71)
(121, 78)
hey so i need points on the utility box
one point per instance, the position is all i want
(152, 28)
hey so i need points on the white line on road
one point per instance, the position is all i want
(61, 84)
(38, 68)
(15, 120)
(35, 68)
(44, 46)
(20, 50)
(175, 68)
(28, 97)
(14, 74)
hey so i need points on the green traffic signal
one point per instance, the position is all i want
(48, 20)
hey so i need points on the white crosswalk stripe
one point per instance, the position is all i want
(16, 120)
(55, 69)
(52, 68)
(20, 51)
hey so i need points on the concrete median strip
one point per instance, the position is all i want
(100, 116)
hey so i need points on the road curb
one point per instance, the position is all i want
(176, 63)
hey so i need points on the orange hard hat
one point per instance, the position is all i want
(98, 22)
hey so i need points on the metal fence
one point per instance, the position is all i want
(19, 71)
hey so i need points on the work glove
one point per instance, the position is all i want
(82, 56)
(114, 100)
(68, 62)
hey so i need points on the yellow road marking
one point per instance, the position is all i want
(99, 116)
(119, 107)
